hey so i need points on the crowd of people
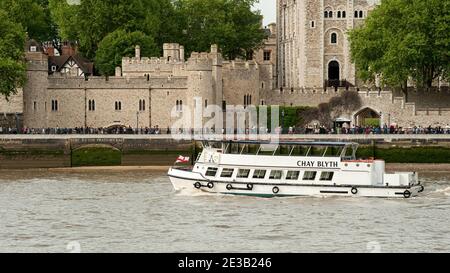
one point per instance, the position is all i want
(156, 130)
(372, 130)
(83, 131)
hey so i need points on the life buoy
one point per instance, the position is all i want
(276, 190)
(216, 158)
(250, 187)
(422, 188)
(210, 185)
(197, 185)
(407, 194)
(354, 190)
(229, 187)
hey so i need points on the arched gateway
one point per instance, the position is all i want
(367, 117)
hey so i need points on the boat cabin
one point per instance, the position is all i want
(343, 150)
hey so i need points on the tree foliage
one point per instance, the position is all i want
(92, 20)
(33, 15)
(194, 23)
(403, 40)
(12, 66)
(327, 112)
(229, 23)
(120, 44)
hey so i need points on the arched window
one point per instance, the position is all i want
(339, 14)
(143, 105)
(325, 14)
(330, 14)
(178, 105)
(91, 105)
(333, 38)
(181, 105)
(344, 14)
(356, 14)
(361, 14)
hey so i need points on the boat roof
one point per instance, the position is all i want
(287, 142)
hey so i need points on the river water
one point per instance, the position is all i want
(137, 211)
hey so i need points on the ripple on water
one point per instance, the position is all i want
(139, 211)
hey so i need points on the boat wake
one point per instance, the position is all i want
(445, 191)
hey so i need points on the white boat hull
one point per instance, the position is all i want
(191, 183)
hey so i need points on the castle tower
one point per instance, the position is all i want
(199, 84)
(171, 52)
(217, 75)
(313, 49)
(35, 98)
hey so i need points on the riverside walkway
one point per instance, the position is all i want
(312, 137)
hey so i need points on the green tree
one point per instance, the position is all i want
(33, 15)
(12, 65)
(404, 39)
(229, 23)
(120, 44)
(92, 20)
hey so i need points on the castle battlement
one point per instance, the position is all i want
(240, 65)
(162, 82)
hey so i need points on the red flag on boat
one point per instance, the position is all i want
(182, 159)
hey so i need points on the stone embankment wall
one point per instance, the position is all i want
(24, 153)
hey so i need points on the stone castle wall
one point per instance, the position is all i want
(14, 104)
(304, 44)
(392, 107)
(241, 79)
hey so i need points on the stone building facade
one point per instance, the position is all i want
(144, 92)
(313, 50)
(302, 59)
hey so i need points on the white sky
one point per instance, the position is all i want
(268, 10)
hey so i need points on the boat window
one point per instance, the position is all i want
(211, 172)
(276, 174)
(268, 149)
(259, 174)
(317, 151)
(292, 175)
(243, 173)
(326, 176)
(227, 173)
(309, 175)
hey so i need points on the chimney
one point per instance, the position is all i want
(182, 53)
(118, 71)
(50, 50)
(138, 52)
(214, 48)
(273, 28)
(68, 49)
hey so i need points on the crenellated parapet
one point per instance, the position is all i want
(241, 65)
(200, 62)
(122, 83)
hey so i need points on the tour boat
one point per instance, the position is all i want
(264, 169)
